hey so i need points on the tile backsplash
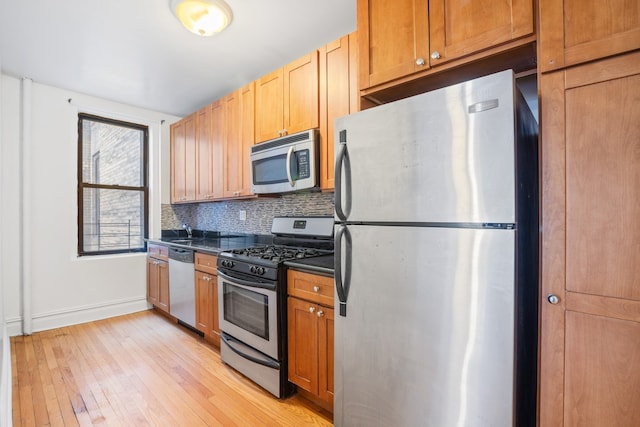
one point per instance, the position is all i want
(225, 215)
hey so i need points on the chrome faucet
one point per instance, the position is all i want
(187, 228)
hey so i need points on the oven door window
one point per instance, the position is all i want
(247, 309)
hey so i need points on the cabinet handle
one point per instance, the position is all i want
(420, 61)
(553, 299)
(312, 309)
(320, 313)
(435, 55)
(316, 289)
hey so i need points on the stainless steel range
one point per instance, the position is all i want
(252, 299)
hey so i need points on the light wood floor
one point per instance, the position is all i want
(139, 370)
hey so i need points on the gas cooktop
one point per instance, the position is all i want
(277, 253)
(294, 238)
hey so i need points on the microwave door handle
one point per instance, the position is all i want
(289, 177)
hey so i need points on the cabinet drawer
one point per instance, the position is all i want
(205, 262)
(311, 287)
(158, 251)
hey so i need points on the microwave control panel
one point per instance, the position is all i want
(304, 168)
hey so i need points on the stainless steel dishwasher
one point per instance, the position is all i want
(182, 291)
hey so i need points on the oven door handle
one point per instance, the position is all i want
(237, 281)
(265, 362)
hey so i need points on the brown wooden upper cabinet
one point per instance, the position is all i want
(209, 151)
(238, 141)
(402, 37)
(577, 31)
(287, 99)
(338, 96)
(183, 160)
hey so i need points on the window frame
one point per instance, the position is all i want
(81, 185)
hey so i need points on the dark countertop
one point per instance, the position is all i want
(321, 264)
(212, 242)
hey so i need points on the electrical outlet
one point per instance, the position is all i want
(243, 215)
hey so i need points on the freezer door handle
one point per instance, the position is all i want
(342, 153)
(342, 281)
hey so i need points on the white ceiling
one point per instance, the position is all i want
(136, 52)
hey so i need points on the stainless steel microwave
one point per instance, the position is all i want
(285, 164)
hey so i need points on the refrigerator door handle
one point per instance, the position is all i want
(338, 176)
(342, 284)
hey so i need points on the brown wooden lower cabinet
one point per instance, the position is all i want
(206, 283)
(310, 335)
(590, 331)
(158, 277)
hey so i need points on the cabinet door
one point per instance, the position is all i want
(301, 104)
(218, 130)
(325, 353)
(239, 138)
(393, 39)
(183, 160)
(153, 280)
(303, 344)
(204, 315)
(461, 27)
(247, 135)
(577, 31)
(214, 331)
(590, 334)
(338, 97)
(269, 106)
(204, 143)
(233, 145)
(163, 286)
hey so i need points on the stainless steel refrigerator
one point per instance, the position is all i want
(437, 260)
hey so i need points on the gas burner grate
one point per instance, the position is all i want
(276, 253)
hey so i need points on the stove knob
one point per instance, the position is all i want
(261, 270)
(252, 269)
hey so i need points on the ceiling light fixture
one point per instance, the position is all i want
(202, 17)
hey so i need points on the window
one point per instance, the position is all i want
(112, 186)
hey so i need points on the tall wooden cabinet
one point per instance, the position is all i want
(577, 31)
(339, 96)
(590, 302)
(404, 37)
(287, 99)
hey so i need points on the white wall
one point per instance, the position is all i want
(65, 289)
(6, 418)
